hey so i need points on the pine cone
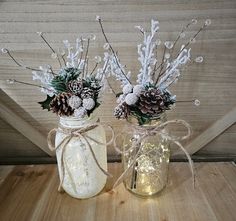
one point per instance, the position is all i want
(153, 101)
(87, 93)
(75, 87)
(122, 111)
(60, 106)
(95, 84)
(168, 99)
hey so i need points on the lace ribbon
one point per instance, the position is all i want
(82, 134)
(152, 131)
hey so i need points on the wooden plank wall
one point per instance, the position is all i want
(213, 82)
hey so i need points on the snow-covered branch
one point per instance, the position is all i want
(146, 54)
(172, 70)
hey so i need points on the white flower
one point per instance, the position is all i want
(131, 99)
(88, 103)
(75, 102)
(138, 89)
(127, 88)
(80, 112)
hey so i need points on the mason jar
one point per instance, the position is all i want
(79, 173)
(147, 158)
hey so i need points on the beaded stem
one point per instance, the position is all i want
(112, 50)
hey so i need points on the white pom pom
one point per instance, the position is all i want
(131, 99)
(80, 112)
(75, 102)
(127, 88)
(138, 89)
(88, 103)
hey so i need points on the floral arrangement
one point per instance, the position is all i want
(150, 96)
(71, 90)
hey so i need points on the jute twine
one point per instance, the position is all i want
(145, 132)
(81, 133)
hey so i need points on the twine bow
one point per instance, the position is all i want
(82, 134)
(153, 130)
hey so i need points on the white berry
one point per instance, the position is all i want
(127, 88)
(80, 112)
(88, 103)
(138, 89)
(75, 102)
(131, 99)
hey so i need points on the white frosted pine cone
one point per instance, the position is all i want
(75, 102)
(127, 89)
(121, 111)
(88, 103)
(138, 89)
(131, 99)
(80, 112)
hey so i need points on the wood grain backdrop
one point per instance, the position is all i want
(213, 82)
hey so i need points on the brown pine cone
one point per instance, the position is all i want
(75, 86)
(87, 93)
(122, 111)
(60, 106)
(152, 102)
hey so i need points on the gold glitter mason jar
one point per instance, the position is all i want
(79, 173)
(146, 154)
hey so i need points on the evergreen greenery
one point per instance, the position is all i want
(59, 82)
(45, 104)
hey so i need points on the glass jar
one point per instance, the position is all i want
(79, 174)
(149, 173)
